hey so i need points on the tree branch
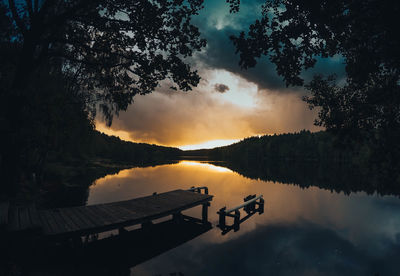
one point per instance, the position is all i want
(36, 7)
(16, 17)
(29, 5)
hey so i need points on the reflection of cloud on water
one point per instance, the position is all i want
(357, 217)
(206, 166)
(304, 225)
(280, 249)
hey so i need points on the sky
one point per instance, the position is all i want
(229, 104)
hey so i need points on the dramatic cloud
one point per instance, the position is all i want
(176, 118)
(250, 102)
(217, 25)
(221, 88)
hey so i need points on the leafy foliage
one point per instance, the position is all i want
(295, 33)
(64, 60)
(112, 50)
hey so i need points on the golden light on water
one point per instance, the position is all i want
(229, 188)
(121, 174)
(206, 166)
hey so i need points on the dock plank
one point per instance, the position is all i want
(86, 215)
(68, 221)
(24, 219)
(62, 225)
(86, 220)
(34, 216)
(13, 223)
(50, 224)
(99, 217)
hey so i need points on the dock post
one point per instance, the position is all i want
(236, 222)
(222, 216)
(261, 206)
(252, 206)
(204, 212)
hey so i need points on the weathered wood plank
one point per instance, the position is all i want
(78, 219)
(46, 228)
(62, 225)
(66, 217)
(34, 216)
(52, 226)
(104, 214)
(113, 212)
(13, 223)
(105, 209)
(87, 216)
(24, 220)
(97, 218)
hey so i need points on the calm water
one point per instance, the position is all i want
(303, 231)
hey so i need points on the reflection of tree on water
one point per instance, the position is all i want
(111, 256)
(74, 190)
(326, 176)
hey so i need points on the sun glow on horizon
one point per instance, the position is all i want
(210, 144)
(204, 165)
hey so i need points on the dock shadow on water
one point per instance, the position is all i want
(316, 220)
(114, 255)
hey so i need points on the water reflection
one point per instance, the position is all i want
(332, 177)
(305, 229)
(329, 222)
(301, 248)
(110, 256)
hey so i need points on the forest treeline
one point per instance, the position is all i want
(304, 146)
(301, 146)
(100, 145)
(321, 159)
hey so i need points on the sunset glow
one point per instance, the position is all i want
(205, 166)
(210, 144)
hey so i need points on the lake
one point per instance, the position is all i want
(304, 230)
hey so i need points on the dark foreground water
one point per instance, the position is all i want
(304, 230)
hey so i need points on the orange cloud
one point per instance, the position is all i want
(178, 118)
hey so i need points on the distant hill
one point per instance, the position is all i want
(301, 146)
(98, 145)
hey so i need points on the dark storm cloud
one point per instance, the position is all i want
(220, 52)
(221, 88)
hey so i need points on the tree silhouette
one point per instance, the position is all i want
(294, 34)
(64, 60)
(113, 49)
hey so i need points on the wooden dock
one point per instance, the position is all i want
(86, 220)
